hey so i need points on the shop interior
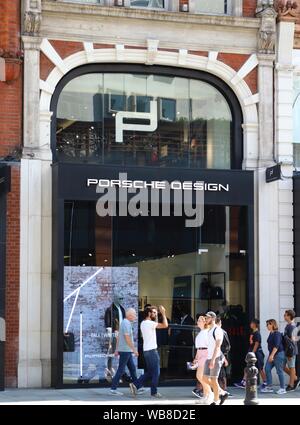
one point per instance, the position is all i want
(188, 270)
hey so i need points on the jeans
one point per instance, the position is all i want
(153, 370)
(278, 363)
(125, 360)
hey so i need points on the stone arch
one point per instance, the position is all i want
(153, 56)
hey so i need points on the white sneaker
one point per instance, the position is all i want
(157, 395)
(267, 390)
(115, 392)
(207, 400)
(143, 390)
(281, 391)
(133, 389)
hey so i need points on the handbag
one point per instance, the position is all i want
(69, 342)
(191, 365)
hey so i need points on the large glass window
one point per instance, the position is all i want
(151, 4)
(144, 120)
(113, 263)
(218, 7)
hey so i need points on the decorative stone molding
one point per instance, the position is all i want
(152, 51)
(10, 65)
(263, 4)
(286, 10)
(267, 31)
(32, 17)
(247, 99)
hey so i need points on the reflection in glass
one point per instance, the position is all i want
(153, 4)
(154, 260)
(222, 7)
(194, 122)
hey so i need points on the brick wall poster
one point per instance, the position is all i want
(89, 295)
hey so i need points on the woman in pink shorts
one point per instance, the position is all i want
(201, 355)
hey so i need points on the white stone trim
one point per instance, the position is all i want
(46, 87)
(88, 48)
(248, 66)
(120, 52)
(182, 55)
(152, 55)
(251, 99)
(53, 56)
(213, 56)
(152, 46)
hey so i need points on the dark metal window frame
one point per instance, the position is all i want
(236, 153)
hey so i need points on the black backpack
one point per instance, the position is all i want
(225, 347)
(288, 345)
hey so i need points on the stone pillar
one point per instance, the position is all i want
(31, 91)
(35, 255)
(265, 109)
(284, 155)
(267, 210)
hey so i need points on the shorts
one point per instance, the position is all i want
(213, 373)
(290, 362)
(201, 357)
(260, 360)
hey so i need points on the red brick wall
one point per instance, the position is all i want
(249, 7)
(66, 48)
(12, 279)
(10, 93)
(10, 143)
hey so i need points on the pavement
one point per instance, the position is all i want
(101, 396)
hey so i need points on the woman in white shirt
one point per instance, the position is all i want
(201, 354)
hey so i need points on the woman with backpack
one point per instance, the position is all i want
(276, 358)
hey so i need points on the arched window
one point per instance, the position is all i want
(136, 116)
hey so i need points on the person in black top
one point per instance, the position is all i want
(276, 357)
(290, 362)
(256, 348)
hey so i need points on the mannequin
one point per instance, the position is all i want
(113, 317)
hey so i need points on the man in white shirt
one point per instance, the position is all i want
(215, 358)
(151, 356)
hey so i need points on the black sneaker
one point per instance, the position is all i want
(223, 398)
(197, 393)
(213, 403)
(289, 388)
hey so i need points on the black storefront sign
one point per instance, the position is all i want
(273, 173)
(234, 188)
(4, 189)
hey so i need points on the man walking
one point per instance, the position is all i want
(125, 348)
(151, 356)
(215, 359)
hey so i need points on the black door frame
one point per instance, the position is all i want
(4, 189)
(69, 184)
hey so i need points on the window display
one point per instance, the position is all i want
(115, 263)
(95, 300)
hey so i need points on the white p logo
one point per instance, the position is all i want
(121, 126)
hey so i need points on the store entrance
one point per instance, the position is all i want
(153, 260)
(189, 271)
(104, 265)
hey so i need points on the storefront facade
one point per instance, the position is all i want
(106, 108)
